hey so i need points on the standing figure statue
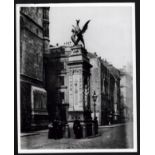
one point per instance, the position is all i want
(78, 33)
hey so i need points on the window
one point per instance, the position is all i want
(62, 97)
(39, 98)
(61, 80)
(61, 65)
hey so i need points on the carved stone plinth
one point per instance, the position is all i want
(79, 83)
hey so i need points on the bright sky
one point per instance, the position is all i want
(109, 32)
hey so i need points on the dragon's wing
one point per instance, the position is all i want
(85, 27)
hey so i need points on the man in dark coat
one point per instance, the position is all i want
(77, 129)
(60, 129)
(55, 129)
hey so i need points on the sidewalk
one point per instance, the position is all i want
(33, 133)
(112, 125)
(46, 130)
(114, 136)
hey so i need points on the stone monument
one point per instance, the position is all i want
(79, 83)
(79, 77)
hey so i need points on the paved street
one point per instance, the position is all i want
(117, 136)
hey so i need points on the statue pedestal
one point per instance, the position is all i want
(79, 83)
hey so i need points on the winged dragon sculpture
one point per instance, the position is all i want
(77, 35)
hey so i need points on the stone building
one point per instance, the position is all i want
(105, 81)
(114, 95)
(34, 40)
(127, 93)
(56, 82)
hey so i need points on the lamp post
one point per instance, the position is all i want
(94, 99)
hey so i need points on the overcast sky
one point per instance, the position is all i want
(109, 32)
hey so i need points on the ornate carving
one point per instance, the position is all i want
(75, 71)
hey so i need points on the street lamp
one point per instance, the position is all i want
(94, 99)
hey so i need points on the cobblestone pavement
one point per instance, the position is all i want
(119, 136)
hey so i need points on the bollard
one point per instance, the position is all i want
(93, 128)
(71, 131)
(66, 134)
(84, 131)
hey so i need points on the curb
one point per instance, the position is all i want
(29, 134)
(33, 133)
(111, 126)
(99, 134)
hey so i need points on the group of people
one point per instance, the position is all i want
(56, 129)
(77, 129)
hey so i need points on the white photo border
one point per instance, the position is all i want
(135, 138)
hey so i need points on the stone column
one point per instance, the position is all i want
(79, 72)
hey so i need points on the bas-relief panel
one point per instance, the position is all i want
(75, 91)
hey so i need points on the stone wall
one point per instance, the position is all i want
(34, 13)
(32, 46)
(31, 55)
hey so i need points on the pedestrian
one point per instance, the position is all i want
(50, 131)
(59, 130)
(77, 129)
(55, 129)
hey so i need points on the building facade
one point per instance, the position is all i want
(56, 82)
(105, 81)
(34, 40)
(127, 93)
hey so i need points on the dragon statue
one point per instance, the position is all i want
(77, 35)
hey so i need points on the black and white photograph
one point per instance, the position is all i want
(76, 77)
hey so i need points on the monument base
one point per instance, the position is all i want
(73, 115)
(88, 130)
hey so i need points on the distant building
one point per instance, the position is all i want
(105, 81)
(34, 40)
(127, 92)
